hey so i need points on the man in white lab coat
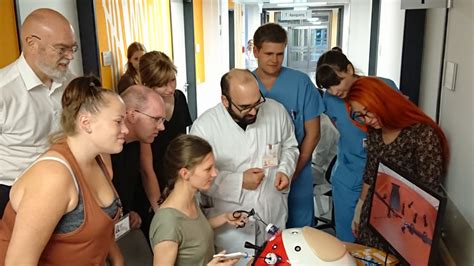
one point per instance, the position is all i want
(256, 153)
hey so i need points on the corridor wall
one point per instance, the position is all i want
(119, 23)
(9, 47)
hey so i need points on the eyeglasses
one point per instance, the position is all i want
(247, 108)
(60, 49)
(158, 119)
(360, 117)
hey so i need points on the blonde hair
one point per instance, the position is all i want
(156, 69)
(83, 94)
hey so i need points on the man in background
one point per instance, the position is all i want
(30, 93)
(302, 101)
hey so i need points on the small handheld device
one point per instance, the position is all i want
(229, 256)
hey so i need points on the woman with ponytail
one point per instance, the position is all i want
(63, 208)
(180, 234)
(398, 133)
(336, 75)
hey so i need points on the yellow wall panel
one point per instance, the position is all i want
(119, 23)
(199, 41)
(9, 48)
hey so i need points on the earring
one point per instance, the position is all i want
(88, 130)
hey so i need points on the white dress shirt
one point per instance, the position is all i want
(29, 112)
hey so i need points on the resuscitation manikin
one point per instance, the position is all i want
(300, 247)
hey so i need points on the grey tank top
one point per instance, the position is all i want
(73, 219)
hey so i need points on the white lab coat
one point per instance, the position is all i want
(235, 151)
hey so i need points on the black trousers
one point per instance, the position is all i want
(4, 198)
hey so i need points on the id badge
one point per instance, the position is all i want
(122, 227)
(270, 158)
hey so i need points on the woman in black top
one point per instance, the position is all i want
(131, 77)
(158, 72)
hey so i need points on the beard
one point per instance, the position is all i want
(56, 74)
(243, 121)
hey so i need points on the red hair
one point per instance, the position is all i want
(393, 109)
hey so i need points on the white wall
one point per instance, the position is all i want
(65, 7)
(392, 21)
(216, 53)
(252, 13)
(457, 109)
(179, 57)
(431, 61)
(359, 34)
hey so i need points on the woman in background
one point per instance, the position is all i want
(158, 72)
(180, 234)
(63, 208)
(337, 74)
(400, 134)
(131, 77)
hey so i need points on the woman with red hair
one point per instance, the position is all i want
(400, 134)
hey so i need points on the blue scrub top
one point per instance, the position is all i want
(352, 152)
(297, 93)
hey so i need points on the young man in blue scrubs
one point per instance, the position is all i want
(298, 94)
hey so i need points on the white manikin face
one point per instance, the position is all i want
(309, 246)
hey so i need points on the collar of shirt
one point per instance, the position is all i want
(30, 78)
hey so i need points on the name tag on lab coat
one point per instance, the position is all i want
(270, 158)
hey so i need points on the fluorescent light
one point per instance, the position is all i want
(302, 4)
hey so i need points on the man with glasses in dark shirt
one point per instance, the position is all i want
(255, 151)
(144, 119)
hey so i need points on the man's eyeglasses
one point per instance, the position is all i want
(61, 50)
(360, 117)
(159, 120)
(247, 108)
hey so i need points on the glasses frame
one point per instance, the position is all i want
(61, 51)
(159, 120)
(360, 117)
(249, 108)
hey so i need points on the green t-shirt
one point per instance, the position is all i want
(195, 237)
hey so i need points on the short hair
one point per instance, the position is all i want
(270, 32)
(136, 96)
(244, 76)
(156, 69)
(82, 94)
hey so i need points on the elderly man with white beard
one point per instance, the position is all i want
(30, 93)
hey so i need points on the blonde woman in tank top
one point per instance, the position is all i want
(63, 208)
